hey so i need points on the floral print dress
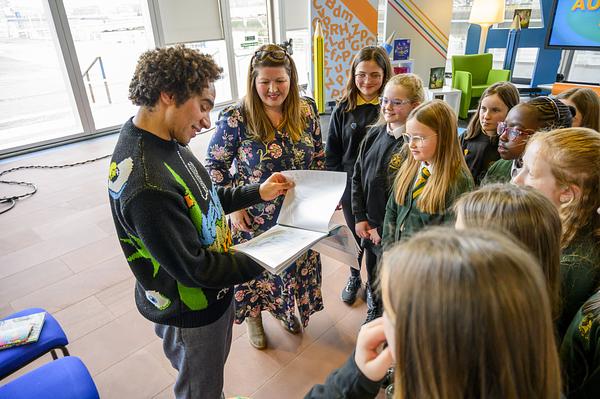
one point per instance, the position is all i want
(253, 162)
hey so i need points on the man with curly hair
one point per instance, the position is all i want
(170, 219)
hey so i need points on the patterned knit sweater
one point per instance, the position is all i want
(170, 221)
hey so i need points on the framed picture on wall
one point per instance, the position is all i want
(401, 49)
(524, 16)
(436, 78)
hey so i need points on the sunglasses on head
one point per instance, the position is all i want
(278, 54)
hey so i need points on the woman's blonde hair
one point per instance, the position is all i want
(471, 316)
(449, 162)
(587, 102)
(259, 124)
(368, 53)
(574, 158)
(508, 94)
(414, 88)
(528, 216)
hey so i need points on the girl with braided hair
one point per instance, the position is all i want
(523, 121)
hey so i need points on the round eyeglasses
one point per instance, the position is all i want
(418, 140)
(384, 101)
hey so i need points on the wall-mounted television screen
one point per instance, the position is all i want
(574, 24)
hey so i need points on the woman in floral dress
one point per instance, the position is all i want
(271, 130)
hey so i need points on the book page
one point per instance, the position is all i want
(340, 245)
(279, 246)
(312, 202)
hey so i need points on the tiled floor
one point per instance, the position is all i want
(58, 250)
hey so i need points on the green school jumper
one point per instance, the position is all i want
(499, 172)
(402, 221)
(579, 274)
(580, 355)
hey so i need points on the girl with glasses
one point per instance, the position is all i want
(356, 109)
(480, 141)
(272, 129)
(457, 326)
(522, 121)
(432, 176)
(564, 165)
(379, 158)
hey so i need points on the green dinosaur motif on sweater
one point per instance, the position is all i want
(193, 297)
(140, 252)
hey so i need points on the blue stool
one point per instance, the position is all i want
(65, 378)
(51, 338)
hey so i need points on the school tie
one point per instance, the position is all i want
(421, 181)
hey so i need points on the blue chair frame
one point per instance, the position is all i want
(52, 338)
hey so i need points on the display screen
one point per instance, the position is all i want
(574, 24)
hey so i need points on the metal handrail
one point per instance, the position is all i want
(86, 75)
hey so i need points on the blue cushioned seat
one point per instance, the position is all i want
(65, 378)
(52, 337)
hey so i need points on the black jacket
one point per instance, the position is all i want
(346, 132)
(379, 159)
(347, 382)
(480, 153)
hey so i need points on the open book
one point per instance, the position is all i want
(21, 330)
(304, 220)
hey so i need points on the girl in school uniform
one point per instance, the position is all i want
(431, 178)
(587, 106)
(456, 325)
(533, 221)
(522, 122)
(564, 165)
(379, 159)
(580, 352)
(480, 141)
(357, 108)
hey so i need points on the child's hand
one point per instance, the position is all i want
(241, 221)
(374, 235)
(372, 363)
(362, 229)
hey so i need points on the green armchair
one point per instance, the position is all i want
(472, 74)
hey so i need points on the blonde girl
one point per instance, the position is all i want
(380, 156)
(355, 111)
(564, 165)
(431, 178)
(525, 214)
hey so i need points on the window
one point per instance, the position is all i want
(302, 47)
(585, 67)
(250, 30)
(109, 36)
(36, 100)
(458, 35)
(217, 49)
